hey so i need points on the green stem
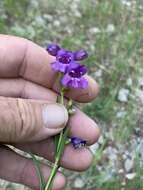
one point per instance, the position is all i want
(52, 175)
(59, 149)
(61, 133)
(58, 157)
(59, 142)
(62, 96)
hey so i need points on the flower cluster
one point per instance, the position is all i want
(67, 62)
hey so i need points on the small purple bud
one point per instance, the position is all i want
(80, 55)
(53, 49)
(77, 142)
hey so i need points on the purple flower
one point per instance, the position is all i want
(53, 49)
(63, 60)
(65, 56)
(80, 55)
(77, 142)
(74, 76)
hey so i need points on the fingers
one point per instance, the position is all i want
(19, 88)
(84, 127)
(80, 124)
(73, 159)
(30, 120)
(33, 63)
(26, 89)
(16, 168)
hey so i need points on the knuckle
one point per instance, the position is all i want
(7, 120)
(28, 120)
(20, 119)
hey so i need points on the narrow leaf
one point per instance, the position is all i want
(38, 171)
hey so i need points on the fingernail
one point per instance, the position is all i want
(54, 116)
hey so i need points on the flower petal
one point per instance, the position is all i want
(65, 56)
(61, 52)
(53, 49)
(77, 142)
(83, 69)
(55, 66)
(75, 83)
(66, 79)
(83, 83)
(63, 67)
(76, 70)
(73, 65)
(59, 66)
(80, 55)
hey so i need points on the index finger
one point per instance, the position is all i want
(22, 58)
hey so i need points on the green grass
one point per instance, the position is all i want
(118, 54)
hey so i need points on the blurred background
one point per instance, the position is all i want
(112, 32)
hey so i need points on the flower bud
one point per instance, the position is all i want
(53, 49)
(77, 142)
(80, 55)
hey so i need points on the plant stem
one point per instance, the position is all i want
(59, 149)
(57, 160)
(52, 175)
(61, 133)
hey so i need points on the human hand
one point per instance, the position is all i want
(30, 116)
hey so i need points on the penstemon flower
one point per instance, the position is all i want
(64, 58)
(80, 55)
(53, 49)
(72, 75)
(77, 142)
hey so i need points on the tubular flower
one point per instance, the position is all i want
(53, 49)
(74, 76)
(77, 142)
(80, 55)
(65, 58)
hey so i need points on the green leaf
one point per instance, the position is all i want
(38, 171)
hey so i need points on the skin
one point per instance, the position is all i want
(28, 85)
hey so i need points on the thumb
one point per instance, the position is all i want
(23, 120)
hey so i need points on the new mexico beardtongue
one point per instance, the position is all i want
(77, 142)
(65, 63)
(71, 75)
(75, 76)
